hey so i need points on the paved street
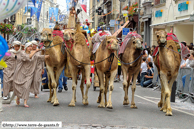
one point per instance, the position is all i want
(146, 116)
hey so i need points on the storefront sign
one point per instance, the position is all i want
(158, 13)
(183, 6)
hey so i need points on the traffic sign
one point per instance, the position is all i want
(125, 31)
(112, 23)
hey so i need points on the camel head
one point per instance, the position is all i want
(161, 37)
(111, 43)
(69, 34)
(137, 42)
(46, 35)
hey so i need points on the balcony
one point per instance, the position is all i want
(158, 2)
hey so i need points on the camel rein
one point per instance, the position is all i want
(109, 58)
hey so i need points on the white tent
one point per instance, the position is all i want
(82, 15)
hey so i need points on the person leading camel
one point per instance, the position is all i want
(23, 75)
(38, 71)
(8, 72)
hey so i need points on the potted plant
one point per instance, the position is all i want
(133, 9)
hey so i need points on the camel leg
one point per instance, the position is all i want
(167, 93)
(82, 84)
(133, 88)
(101, 80)
(111, 87)
(53, 84)
(162, 102)
(74, 72)
(50, 88)
(58, 73)
(88, 83)
(125, 85)
(99, 97)
(168, 106)
(106, 87)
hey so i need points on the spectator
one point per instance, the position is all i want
(146, 45)
(145, 53)
(190, 47)
(1, 76)
(62, 83)
(149, 76)
(119, 72)
(149, 58)
(153, 48)
(143, 70)
(189, 63)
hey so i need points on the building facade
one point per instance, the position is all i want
(175, 14)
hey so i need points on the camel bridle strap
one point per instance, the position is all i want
(130, 62)
(71, 41)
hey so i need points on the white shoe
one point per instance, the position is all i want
(5, 98)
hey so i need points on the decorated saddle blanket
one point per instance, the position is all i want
(183, 48)
(126, 40)
(98, 38)
(58, 33)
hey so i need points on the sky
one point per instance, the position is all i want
(62, 5)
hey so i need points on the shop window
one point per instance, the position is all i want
(159, 2)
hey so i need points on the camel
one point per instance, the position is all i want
(167, 63)
(106, 68)
(77, 52)
(55, 63)
(132, 52)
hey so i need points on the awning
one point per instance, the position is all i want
(119, 30)
(174, 21)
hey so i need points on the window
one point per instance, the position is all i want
(159, 2)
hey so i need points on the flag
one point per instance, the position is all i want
(39, 10)
(34, 1)
(32, 12)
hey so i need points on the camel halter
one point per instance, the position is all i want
(71, 41)
(48, 41)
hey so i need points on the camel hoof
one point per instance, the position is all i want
(164, 110)
(85, 102)
(133, 106)
(56, 104)
(168, 113)
(126, 102)
(98, 101)
(102, 105)
(109, 106)
(159, 104)
(71, 105)
(49, 100)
